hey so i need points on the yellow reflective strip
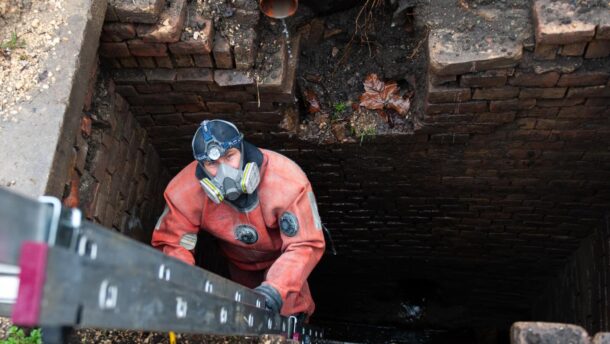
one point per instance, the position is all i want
(243, 180)
(214, 188)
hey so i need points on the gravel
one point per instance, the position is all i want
(28, 35)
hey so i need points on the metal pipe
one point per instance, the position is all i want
(278, 9)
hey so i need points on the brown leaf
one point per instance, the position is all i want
(312, 99)
(373, 84)
(399, 104)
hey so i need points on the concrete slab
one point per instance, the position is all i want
(33, 149)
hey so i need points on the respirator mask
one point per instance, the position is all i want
(211, 142)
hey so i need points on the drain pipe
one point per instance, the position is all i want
(278, 9)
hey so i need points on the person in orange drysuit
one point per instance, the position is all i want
(258, 204)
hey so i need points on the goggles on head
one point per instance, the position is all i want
(213, 147)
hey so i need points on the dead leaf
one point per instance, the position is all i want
(312, 99)
(379, 95)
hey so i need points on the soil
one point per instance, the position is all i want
(334, 63)
(28, 35)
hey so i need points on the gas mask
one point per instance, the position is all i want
(230, 183)
(211, 142)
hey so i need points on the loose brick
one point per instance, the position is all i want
(118, 32)
(495, 93)
(223, 107)
(203, 61)
(534, 80)
(544, 93)
(598, 49)
(137, 11)
(584, 79)
(574, 49)
(545, 52)
(117, 49)
(588, 92)
(448, 58)
(511, 105)
(141, 48)
(491, 78)
(169, 26)
(222, 52)
(442, 94)
(200, 75)
(229, 78)
(552, 31)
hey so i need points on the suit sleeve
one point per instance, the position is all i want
(175, 235)
(302, 244)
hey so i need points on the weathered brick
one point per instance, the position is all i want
(581, 112)
(245, 52)
(164, 62)
(203, 61)
(198, 117)
(190, 87)
(229, 78)
(534, 80)
(545, 52)
(491, 78)
(200, 46)
(140, 48)
(118, 32)
(559, 102)
(584, 79)
(160, 75)
(495, 93)
(256, 106)
(153, 88)
(126, 90)
(116, 49)
(443, 94)
(510, 105)
(552, 31)
(169, 26)
(574, 49)
(222, 52)
(223, 107)
(137, 11)
(128, 76)
(544, 93)
(495, 117)
(448, 58)
(542, 332)
(129, 62)
(167, 99)
(598, 49)
(200, 75)
(146, 62)
(168, 119)
(467, 107)
(598, 102)
(588, 92)
(194, 107)
(145, 121)
(438, 80)
(183, 61)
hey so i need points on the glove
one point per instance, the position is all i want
(273, 299)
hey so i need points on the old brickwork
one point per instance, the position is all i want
(506, 172)
(117, 177)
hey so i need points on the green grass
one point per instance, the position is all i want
(13, 43)
(338, 109)
(16, 335)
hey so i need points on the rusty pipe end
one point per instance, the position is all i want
(278, 9)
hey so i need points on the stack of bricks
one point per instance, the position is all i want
(117, 177)
(563, 76)
(174, 79)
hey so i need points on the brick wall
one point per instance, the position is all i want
(117, 178)
(504, 176)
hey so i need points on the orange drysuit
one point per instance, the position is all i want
(282, 259)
